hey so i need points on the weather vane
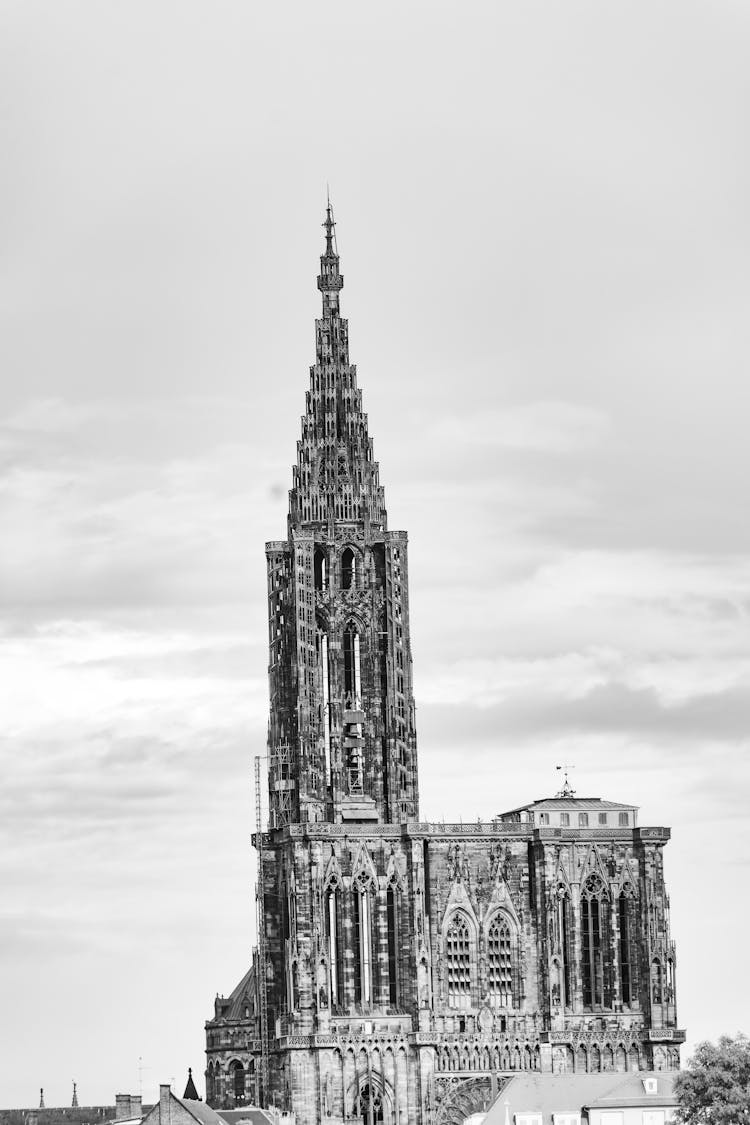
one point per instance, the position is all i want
(567, 790)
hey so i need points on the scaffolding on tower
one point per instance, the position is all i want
(281, 784)
(261, 923)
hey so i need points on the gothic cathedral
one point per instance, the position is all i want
(405, 969)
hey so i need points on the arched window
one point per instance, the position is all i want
(594, 943)
(335, 951)
(392, 898)
(626, 922)
(320, 567)
(325, 694)
(565, 924)
(458, 961)
(656, 982)
(362, 941)
(238, 1080)
(500, 963)
(370, 1105)
(352, 676)
(348, 570)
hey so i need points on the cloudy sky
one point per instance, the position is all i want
(544, 232)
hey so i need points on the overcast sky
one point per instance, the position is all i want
(544, 227)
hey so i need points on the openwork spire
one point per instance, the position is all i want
(336, 478)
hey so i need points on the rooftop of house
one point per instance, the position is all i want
(250, 1114)
(575, 812)
(547, 1094)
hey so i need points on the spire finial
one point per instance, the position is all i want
(329, 224)
(567, 790)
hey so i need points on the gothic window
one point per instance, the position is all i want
(325, 695)
(238, 1080)
(594, 943)
(458, 961)
(656, 981)
(352, 674)
(320, 569)
(335, 950)
(348, 570)
(393, 942)
(370, 1105)
(362, 941)
(564, 922)
(626, 919)
(500, 963)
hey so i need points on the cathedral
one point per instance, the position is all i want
(404, 970)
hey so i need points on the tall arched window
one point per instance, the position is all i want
(325, 694)
(348, 569)
(500, 963)
(626, 922)
(656, 982)
(362, 940)
(335, 951)
(565, 925)
(458, 961)
(392, 898)
(320, 567)
(594, 943)
(238, 1081)
(352, 676)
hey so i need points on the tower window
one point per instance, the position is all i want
(594, 943)
(393, 974)
(500, 963)
(352, 678)
(348, 569)
(458, 962)
(626, 927)
(320, 569)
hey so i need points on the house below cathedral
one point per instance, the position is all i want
(406, 970)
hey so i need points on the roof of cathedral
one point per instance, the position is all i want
(232, 1007)
(550, 1094)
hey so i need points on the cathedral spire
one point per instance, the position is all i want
(336, 479)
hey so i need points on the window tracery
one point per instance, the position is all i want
(458, 961)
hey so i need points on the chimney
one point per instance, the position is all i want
(122, 1107)
(136, 1106)
(165, 1109)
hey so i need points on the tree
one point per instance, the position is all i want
(714, 1088)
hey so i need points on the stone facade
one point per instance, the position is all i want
(410, 968)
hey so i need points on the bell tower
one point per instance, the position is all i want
(341, 737)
